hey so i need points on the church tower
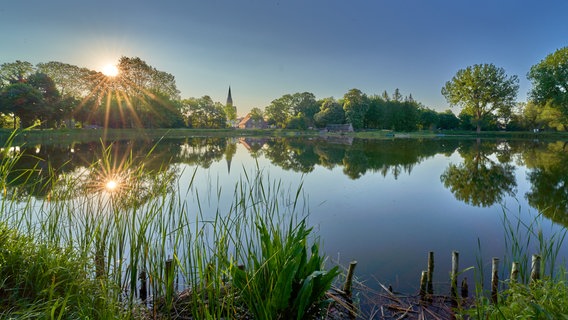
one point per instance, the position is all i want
(231, 110)
(229, 99)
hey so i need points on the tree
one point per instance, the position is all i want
(550, 81)
(71, 81)
(447, 120)
(397, 96)
(49, 111)
(204, 113)
(23, 101)
(304, 105)
(331, 112)
(256, 114)
(15, 72)
(278, 112)
(428, 119)
(481, 89)
(355, 105)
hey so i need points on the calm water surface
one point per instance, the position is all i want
(384, 203)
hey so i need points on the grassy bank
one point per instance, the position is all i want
(68, 136)
(90, 251)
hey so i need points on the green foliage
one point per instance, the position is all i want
(204, 113)
(47, 281)
(482, 89)
(22, 100)
(284, 280)
(298, 122)
(15, 72)
(543, 299)
(355, 105)
(550, 81)
(331, 112)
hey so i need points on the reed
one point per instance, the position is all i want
(257, 257)
(526, 299)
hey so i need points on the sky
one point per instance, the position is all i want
(264, 49)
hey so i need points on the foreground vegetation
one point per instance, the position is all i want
(120, 251)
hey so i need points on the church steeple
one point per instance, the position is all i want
(229, 98)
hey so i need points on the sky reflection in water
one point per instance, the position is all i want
(383, 203)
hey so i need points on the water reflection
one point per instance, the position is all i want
(549, 181)
(481, 179)
(483, 174)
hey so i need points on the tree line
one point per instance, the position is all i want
(55, 94)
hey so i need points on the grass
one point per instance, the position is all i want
(148, 248)
(545, 298)
(69, 136)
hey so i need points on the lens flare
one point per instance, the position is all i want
(111, 185)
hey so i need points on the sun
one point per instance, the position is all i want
(110, 70)
(111, 185)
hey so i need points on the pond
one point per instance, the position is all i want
(384, 203)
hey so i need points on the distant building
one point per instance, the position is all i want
(249, 123)
(229, 105)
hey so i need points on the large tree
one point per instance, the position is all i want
(355, 105)
(482, 89)
(204, 113)
(550, 81)
(71, 81)
(278, 112)
(14, 72)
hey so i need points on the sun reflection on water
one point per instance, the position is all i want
(111, 185)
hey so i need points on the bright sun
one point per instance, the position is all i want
(111, 185)
(110, 70)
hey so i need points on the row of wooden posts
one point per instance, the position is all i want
(426, 287)
(426, 282)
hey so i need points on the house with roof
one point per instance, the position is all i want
(252, 123)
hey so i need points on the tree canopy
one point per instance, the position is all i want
(550, 81)
(482, 89)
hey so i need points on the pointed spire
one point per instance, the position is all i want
(229, 98)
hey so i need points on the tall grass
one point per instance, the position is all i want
(147, 230)
(526, 299)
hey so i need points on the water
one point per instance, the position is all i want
(384, 203)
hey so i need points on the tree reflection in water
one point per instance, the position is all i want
(480, 180)
(483, 177)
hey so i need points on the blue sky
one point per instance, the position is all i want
(264, 49)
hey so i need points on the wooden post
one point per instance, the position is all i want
(514, 272)
(535, 267)
(430, 287)
(454, 275)
(464, 288)
(143, 286)
(349, 278)
(423, 285)
(169, 274)
(494, 279)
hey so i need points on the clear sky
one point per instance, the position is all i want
(264, 49)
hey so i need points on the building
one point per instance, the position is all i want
(229, 106)
(249, 123)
